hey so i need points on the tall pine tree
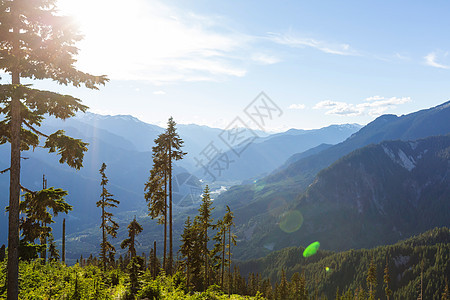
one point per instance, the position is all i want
(156, 187)
(108, 226)
(36, 43)
(174, 144)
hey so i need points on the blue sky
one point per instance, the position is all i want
(321, 62)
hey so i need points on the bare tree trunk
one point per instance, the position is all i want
(206, 259)
(43, 239)
(170, 210)
(165, 221)
(103, 237)
(223, 257)
(229, 260)
(155, 259)
(14, 182)
(63, 254)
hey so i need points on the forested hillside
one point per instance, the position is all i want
(416, 266)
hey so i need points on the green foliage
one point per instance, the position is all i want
(135, 270)
(150, 290)
(52, 250)
(29, 251)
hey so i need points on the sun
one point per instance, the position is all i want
(107, 27)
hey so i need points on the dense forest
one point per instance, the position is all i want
(416, 268)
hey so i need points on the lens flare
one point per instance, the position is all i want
(311, 249)
(291, 221)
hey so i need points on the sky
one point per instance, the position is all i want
(205, 62)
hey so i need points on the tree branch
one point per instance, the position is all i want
(34, 129)
(27, 190)
(5, 170)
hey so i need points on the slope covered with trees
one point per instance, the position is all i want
(424, 258)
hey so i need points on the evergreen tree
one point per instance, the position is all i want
(386, 280)
(108, 226)
(36, 43)
(283, 291)
(134, 228)
(372, 278)
(156, 187)
(228, 221)
(205, 223)
(186, 248)
(134, 269)
(218, 252)
(294, 288)
(445, 294)
(35, 206)
(303, 291)
(52, 250)
(191, 249)
(174, 144)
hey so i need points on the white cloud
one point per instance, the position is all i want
(151, 41)
(326, 104)
(294, 40)
(374, 98)
(297, 106)
(159, 92)
(373, 106)
(431, 60)
(265, 59)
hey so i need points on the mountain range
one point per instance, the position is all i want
(260, 206)
(124, 144)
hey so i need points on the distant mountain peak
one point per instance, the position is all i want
(94, 116)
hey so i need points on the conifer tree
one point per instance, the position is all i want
(108, 226)
(218, 252)
(134, 228)
(283, 286)
(294, 289)
(134, 269)
(386, 280)
(36, 43)
(52, 250)
(174, 144)
(156, 187)
(303, 291)
(186, 248)
(205, 223)
(39, 209)
(445, 294)
(372, 278)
